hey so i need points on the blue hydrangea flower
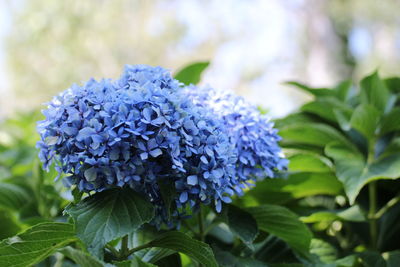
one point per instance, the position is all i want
(255, 139)
(140, 131)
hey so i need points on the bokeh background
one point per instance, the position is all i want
(253, 45)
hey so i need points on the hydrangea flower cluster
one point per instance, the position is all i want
(255, 139)
(142, 131)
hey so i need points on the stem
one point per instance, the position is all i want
(388, 205)
(373, 226)
(201, 224)
(133, 250)
(124, 251)
(113, 250)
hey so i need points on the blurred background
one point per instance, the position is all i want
(253, 45)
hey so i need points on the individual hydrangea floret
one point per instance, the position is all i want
(140, 131)
(255, 139)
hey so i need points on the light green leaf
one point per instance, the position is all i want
(343, 89)
(181, 242)
(324, 107)
(35, 244)
(354, 172)
(309, 162)
(13, 197)
(297, 185)
(352, 214)
(108, 215)
(374, 92)
(191, 74)
(325, 251)
(81, 258)
(365, 119)
(242, 224)
(318, 92)
(312, 134)
(284, 224)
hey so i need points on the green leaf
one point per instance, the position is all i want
(295, 118)
(180, 242)
(393, 84)
(297, 185)
(325, 251)
(284, 224)
(343, 89)
(13, 197)
(324, 107)
(9, 224)
(354, 172)
(109, 215)
(352, 214)
(227, 259)
(168, 194)
(391, 121)
(374, 92)
(392, 258)
(135, 262)
(81, 258)
(318, 92)
(309, 162)
(365, 119)
(191, 74)
(173, 260)
(35, 244)
(242, 224)
(312, 134)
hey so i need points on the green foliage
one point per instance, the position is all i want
(108, 215)
(352, 133)
(191, 74)
(284, 224)
(35, 244)
(338, 204)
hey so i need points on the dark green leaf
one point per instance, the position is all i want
(227, 259)
(108, 215)
(135, 262)
(191, 74)
(173, 260)
(391, 121)
(35, 244)
(284, 224)
(242, 224)
(183, 243)
(393, 84)
(353, 171)
(374, 92)
(9, 225)
(365, 119)
(81, 258)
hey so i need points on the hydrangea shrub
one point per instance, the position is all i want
(145, 130)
